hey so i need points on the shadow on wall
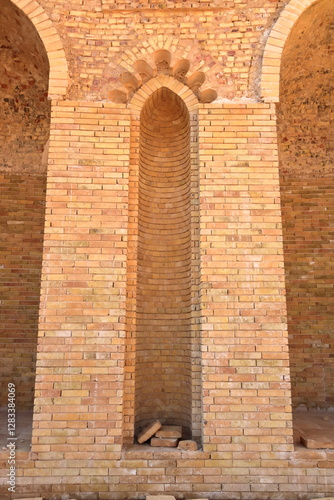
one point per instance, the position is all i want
(24, 131)
(163, 361)
(306, 146)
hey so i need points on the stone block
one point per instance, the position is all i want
(160, 497)
(169, 431)
(168, 442)
(188, 445)
(149, 431)
(318, 439)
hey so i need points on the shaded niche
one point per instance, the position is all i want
(163, 372)
(24, 131)
(306, 146)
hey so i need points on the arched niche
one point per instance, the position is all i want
(163, 340)
(163, 361)
(306, 146)
(24, 132)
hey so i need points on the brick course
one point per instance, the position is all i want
(22, 223)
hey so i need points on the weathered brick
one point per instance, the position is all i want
(148, 431)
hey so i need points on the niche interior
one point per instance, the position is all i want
(306, 145)
(24, 131)
(163, 288)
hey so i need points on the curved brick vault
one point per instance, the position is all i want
(58, 79)
(271, 66)
(306, 145)
(163, 187)
(163, 366)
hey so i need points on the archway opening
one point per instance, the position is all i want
(24, 131)
(306, 148)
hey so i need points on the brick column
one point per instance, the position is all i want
(247, 412)
(79, 381)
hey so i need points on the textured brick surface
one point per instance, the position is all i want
(317, 440)
(149, 431)
(24, 130)
(25, 111)
(161, 442)
(188, 444)
(163, 348)
(21, 235)
(306, 172)
(173, 431)
(104, 235)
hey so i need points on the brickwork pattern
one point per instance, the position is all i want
(190, 197)
(306, 145)
(271, 66)
(85, 384)
(163, 372)
(80, 364)
(247, 414)
(58, 81)
(219, 41)
(244, 332)
(25, 112)
(24, 131)
(22, 222)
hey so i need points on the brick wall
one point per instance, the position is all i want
(143, 288)
(25, 111)
(22, 220)
(224, 40)
(246, 396)
(85, 383)
(306, 169)
(24, 129)
(246, 404)
(80, 366)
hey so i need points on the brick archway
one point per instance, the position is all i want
(179, 326)
(184, 92)
(58, 79)
(271, 65)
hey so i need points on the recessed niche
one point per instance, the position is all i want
(164, 263)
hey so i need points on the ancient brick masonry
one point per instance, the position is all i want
(24, 130)
(156, 263)
(164, 262)
(305, 139)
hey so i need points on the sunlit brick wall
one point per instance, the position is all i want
(82, 443)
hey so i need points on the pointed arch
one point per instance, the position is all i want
(58, 79)
(185, 93)
(163, 260)
(271, 66)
